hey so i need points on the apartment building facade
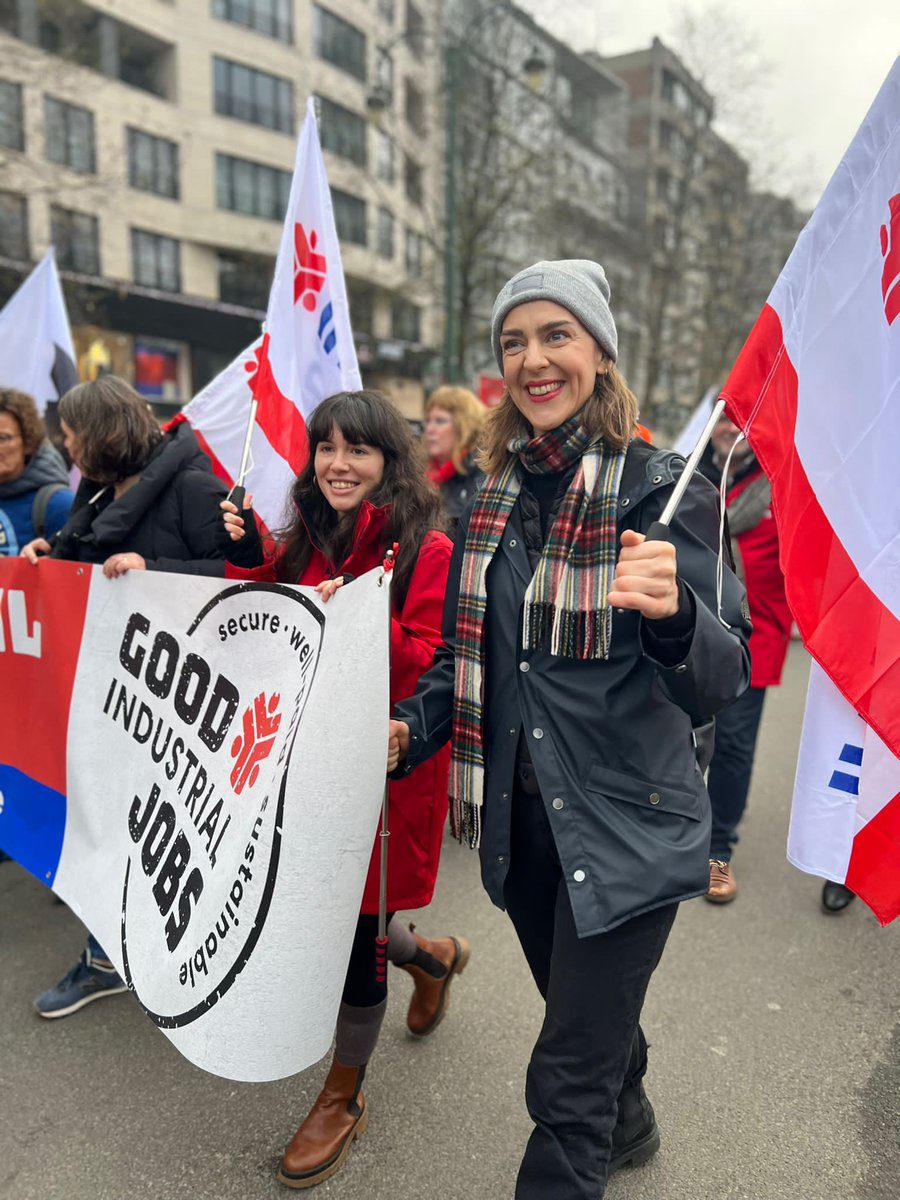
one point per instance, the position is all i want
(153, 142)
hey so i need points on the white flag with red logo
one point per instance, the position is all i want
(817, 390)
(306, 352)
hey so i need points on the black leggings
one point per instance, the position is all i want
(360, 986)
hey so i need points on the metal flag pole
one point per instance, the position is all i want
(381, 941)
(659, 530)
(238, 491)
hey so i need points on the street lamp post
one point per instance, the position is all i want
(534, 70)
(451, 364)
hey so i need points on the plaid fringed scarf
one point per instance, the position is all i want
(565, 601)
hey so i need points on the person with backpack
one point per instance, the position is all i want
(35, 496)
(147, 501)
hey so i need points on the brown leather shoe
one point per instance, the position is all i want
(722, 887)
(323, 1141)
(431, 996)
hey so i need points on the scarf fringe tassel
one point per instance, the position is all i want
(579, 635)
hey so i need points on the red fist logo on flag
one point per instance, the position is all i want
(261, 721)
(310, 269)
(890, 252)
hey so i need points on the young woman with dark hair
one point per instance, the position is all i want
(361, 492)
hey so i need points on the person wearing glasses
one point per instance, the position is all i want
(35, 496)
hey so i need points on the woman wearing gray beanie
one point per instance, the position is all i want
(578, 659)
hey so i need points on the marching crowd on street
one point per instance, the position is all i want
(578, 685)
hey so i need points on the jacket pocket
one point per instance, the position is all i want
(653, 797)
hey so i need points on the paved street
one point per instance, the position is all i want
(775, 1061)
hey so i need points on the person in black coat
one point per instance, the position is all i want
(579, 660)
(147, 500)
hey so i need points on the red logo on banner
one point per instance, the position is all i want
(890, 252)
(260, 725)
(310, 269)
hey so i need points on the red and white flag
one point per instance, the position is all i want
(305, 354)
(816, 388)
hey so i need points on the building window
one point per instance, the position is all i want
(413, 174)
(414, 254)
(245, 279)
(70, 135)
(349, 217)
(343, 132)
(339, 42)
(415, 109)
(385, 233)
(156, 260)
(253, 96)
(11, 131)
(77, 240)
(272, 17)
(405, 320)
(361, 297)
(386, 10)
(415, 29)
(152, 164)
(13, 226)
(384, 74)
(384, 156)
(251, 188)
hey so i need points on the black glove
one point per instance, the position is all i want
(246, 552)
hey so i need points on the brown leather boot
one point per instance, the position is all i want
(722, 885)
(431, 996)
(323, 1141)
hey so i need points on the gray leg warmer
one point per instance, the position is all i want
(357, 1033)
(402, 946)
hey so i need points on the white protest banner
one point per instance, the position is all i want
(196, 767)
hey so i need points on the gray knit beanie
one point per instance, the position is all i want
(578, 284)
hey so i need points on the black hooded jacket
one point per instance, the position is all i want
(170, 517)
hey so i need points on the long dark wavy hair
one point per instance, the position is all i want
(364, 418)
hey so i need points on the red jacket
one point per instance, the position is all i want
(764, 581)
(417, 806)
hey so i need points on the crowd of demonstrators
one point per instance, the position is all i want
(361, 493)
(454, 417)
(754, 546)
(35, 496)
(147, 500)
(577, 659)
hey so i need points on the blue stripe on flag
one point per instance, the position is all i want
(32, 823)
(845, 783)
(852, 754)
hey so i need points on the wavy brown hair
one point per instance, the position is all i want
(611, 412)
(116, 431)
(468, 415)
(364, 418)
(21, 407)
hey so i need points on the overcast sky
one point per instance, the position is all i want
(826, 60)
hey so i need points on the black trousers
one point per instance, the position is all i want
(728, 782)
(591, 1044)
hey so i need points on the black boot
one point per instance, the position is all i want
(835, 897)
(636, 1135)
